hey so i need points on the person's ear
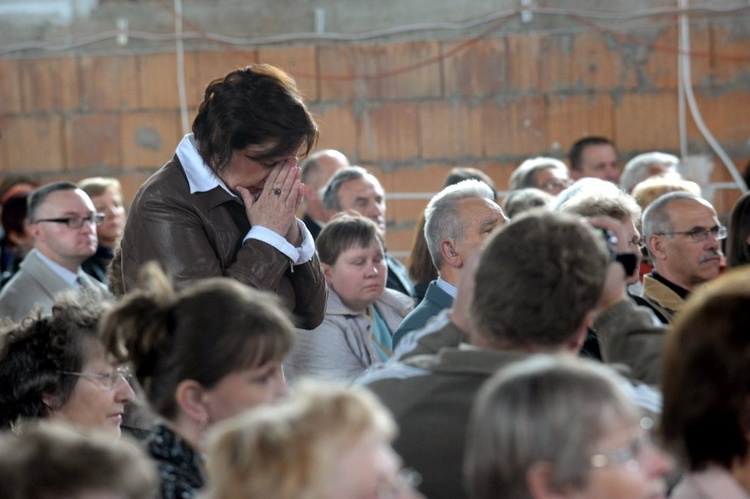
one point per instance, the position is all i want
(656, 247)
(326, 271)
(191, 399)
(449, 253)
(538, 481)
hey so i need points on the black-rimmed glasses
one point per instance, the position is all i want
(76, 221)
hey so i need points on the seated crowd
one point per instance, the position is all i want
(583, 337)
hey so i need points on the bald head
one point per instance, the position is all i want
(316, 170)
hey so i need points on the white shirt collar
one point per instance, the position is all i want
(199, 175)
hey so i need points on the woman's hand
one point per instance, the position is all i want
(276, 206)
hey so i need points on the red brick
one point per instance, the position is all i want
(729, 56)
(338, 128)
(426, 179)
(725, 117)
(158, 81)
(93, 141)
(149, 139)
(581, 61)
(403, 212)
(298, 62)
(647, 122)
(109, 82)
(476, 69)
(10, 90)
(571, 118)
(33, 144)
(660, 69)
(383, 71)
(49, 84)
(515, 128)
(449, 129)
(389, 132)
(524, 60)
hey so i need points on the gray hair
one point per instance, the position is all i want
(331, 190)
(543, 409)
(657, 219)
(443, 217)
(619, 205)
(523, 175)
(584, 185)
(525, 199)
(638, 169)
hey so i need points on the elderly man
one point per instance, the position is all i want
(547, 174)
(316, 170)
(648, 165)
(62, 222)
(354, 188)
(683, 235)
(530, 296)
(594, 157)
(457, 221)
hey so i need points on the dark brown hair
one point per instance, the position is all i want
(258, 104)
(706, 374)
(346, 230)
(738, 248)
(210, 329)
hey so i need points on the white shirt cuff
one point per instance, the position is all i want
(298, 256)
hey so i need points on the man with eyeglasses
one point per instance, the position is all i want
(62, 222)
(683, 236)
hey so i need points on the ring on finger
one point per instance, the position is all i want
(276, 191)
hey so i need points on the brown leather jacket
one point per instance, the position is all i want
(200, 235)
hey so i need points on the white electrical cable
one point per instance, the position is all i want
(180, 49)
(684, 43)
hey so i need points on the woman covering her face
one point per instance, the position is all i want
(225, 204)
(201, 355)
(57, 368)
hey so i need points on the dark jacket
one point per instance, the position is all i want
(200, 235)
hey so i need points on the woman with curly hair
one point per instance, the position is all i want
(56, 367)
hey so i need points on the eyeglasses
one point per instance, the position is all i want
(76, 221)
(700, 233)
(556, 183)
(628, 455)
(105, 380)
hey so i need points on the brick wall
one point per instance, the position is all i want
(417, 108)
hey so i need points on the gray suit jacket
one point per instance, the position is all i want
(36, 284)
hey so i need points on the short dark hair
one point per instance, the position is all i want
(35, 352)
(15, 211)
(256, 104)
(39, 196)
(705, 375)
(576, 150)
(206, 331)
(344, 231)
(537, 279)
(738, 248)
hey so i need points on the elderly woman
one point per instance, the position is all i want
(225, 204)
(550, 427)
(706, 385)
(547, 174)
(106, 194)
(57, 368)
(326, 442)
(201, 355)
(362, 314)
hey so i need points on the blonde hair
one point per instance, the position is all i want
(288, 451)
(95, 186)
